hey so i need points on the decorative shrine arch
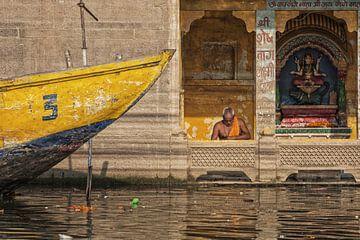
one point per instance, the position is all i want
(324, 35)
(318, 31)
(337, 55)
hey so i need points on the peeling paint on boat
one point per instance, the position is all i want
(46, 117)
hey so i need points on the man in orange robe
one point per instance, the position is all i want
(230, 128)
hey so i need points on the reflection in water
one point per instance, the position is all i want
(297, 212)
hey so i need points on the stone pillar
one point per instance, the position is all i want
(265, 70)
(265, 93)
(178, 158)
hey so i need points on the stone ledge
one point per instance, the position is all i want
(223, 144)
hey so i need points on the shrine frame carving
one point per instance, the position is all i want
(322, 37)
(312, 31)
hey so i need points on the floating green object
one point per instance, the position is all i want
(135, 202)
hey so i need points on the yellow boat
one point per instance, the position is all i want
(46, 117)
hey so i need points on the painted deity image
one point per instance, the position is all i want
(309, 82)
(309, 89)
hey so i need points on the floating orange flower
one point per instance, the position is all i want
(81, 208)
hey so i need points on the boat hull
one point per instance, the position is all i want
(23, 162)
(45, 118)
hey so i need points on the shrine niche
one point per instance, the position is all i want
(217, 47)
(218, 71)
(312, 65)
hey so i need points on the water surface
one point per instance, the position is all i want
(297, 212)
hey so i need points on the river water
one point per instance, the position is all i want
(226, 212)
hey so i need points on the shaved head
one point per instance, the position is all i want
(228, 116)
(228, 110)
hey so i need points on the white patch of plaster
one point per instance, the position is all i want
(187, 126)
(210, 122)
(194, 131)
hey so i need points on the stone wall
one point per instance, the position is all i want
(34, 35)
(149, 140)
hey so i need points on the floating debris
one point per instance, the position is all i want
(81, 208)
(135, 202)
(121, 209)
(64, 237)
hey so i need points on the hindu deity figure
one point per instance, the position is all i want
(310, 85)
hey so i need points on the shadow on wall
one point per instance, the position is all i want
(230, 176)
(58, 177)
(321, 176)
(104, 169)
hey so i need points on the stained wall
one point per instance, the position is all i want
(218, 71)
(34, 36)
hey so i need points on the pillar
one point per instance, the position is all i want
(265, 93)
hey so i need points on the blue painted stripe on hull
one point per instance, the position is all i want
(26, 161)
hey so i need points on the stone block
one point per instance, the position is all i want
(111, 34)
(9, 32)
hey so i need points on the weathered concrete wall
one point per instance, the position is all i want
(34, 36)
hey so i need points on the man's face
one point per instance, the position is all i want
(228, 119)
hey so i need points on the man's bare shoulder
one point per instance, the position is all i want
(218, 124)
(240, 120)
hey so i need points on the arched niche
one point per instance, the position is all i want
(319, 36)
(187, 17)
(218, 71)
(218, 47)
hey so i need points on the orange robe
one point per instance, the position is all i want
(235, 130)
